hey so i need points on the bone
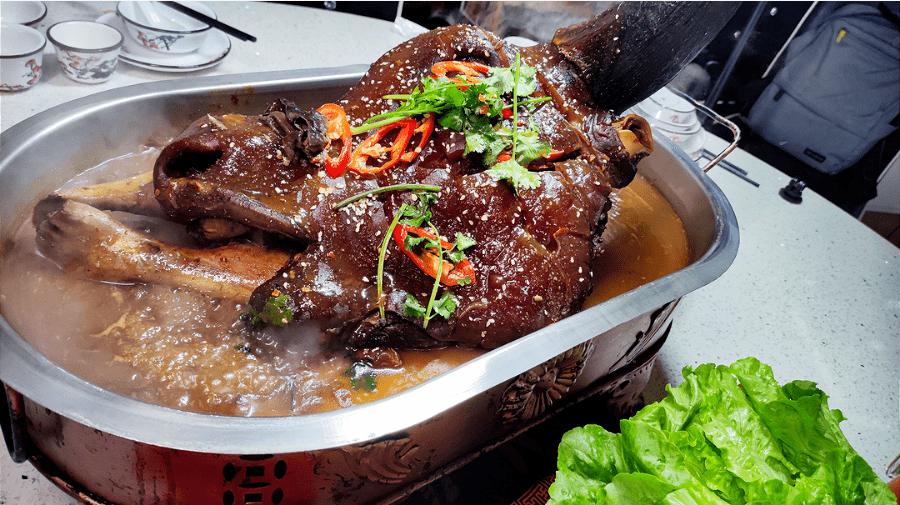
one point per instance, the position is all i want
(90, 243)
(133, 195)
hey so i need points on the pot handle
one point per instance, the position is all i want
(12, 423)
(735, 131)
(893, 473)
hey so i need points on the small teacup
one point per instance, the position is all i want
(21, 55)
(22, 13)
(88, 51)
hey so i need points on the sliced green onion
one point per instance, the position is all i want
(437, 276)
(515, 107)
(381, 254)
(384, 189)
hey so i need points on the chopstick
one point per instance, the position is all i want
(712, 156)
(739, 172)
(234, 32)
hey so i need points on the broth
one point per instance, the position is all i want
(181, 349)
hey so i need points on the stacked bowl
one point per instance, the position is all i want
(674, 117)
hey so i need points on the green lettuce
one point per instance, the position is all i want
(727, 435)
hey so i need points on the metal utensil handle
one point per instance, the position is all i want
(719, 119)
(893, 469)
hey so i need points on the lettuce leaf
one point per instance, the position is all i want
(727, 435)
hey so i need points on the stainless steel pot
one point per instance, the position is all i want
(106, 448)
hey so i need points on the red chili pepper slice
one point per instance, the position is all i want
(506, 156)
(427, 260)
(554, 155)
(370, 147)
(338, 128)
(425, 128)
(484, 109)
(467, 68)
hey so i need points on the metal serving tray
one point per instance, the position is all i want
(143, 453)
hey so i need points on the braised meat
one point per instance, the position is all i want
(531, 261)
(441, 238)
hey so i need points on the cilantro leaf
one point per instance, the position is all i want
(462, 243)
(526, 83)
(530, 147)
(419, 213)
(412, 307)
(476, 142)
(274, 312)
(479, 132)
(519, 176)
(361, 376)
(443, 306)
(465, 281)
(497, 145)
(454, 119)
(446, 304)
(411, 241)
(501, 80)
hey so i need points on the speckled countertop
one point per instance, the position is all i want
(812, 292)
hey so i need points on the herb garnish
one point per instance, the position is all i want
(384, 189)
(479, 109)
(274, 312)
(443, 306)
(361, 376)
(418, 216)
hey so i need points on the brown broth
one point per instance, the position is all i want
(180, 349)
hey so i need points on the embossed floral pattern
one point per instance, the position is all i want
(387, 461)
(534, 391)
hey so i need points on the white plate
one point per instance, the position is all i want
(211, 53)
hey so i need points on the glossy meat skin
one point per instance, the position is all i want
(534, 248)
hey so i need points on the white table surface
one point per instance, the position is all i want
(812, 292)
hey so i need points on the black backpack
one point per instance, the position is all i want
(838, 92)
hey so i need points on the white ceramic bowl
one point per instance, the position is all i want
(87, 51)
(689, 138)
(675, 118)
(666, 107)
(22, 13)
(164, 29)
(21, 56)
